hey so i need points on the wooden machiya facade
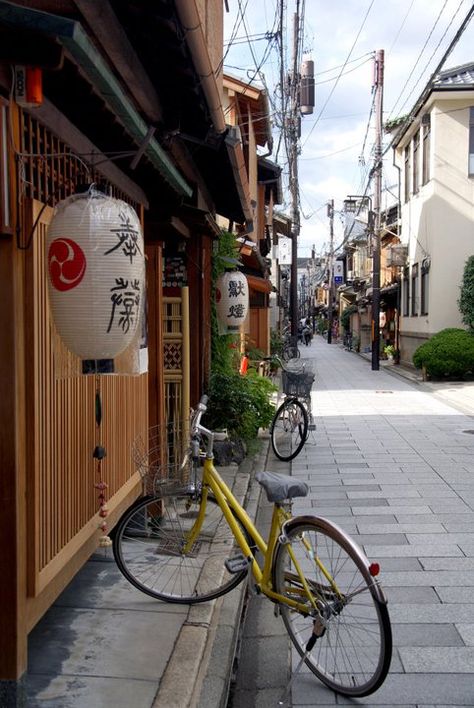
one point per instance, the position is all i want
(110, 116)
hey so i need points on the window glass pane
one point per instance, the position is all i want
(471, 162)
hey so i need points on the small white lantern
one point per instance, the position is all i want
(96, 274)
(232, 301)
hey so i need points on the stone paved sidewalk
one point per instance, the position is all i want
(392, 463)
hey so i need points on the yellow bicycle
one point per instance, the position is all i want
(191, 541)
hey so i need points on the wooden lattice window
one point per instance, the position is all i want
(51, 171)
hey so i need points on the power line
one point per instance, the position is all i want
(401, 27)
(340, 73)
(432, 55)
(419, 56)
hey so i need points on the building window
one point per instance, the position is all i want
(406, 293)
(414, 290)
(407, 173)
(471, 142)
(425, 282)
(416, 160)
(426, 123)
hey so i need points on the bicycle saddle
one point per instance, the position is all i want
(281, 486)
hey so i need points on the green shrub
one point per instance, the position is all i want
(448, 353)
(276, 342)
(322, 325)
(466, 298)
(345, 318)
(239, 403)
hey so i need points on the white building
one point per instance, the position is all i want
(435, 151)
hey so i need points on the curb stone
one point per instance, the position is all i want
(199, 672)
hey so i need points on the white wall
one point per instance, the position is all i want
(439, 221)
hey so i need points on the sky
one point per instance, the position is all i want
(341, 37)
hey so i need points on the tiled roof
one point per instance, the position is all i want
(457, 76)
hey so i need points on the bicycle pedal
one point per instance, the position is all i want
(311, 426)
(237, 563)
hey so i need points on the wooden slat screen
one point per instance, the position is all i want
(50, 170)
(62, 430)
(176, 366)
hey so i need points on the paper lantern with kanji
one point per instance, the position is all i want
(232, 300)
(96, 274)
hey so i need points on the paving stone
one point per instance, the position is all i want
(401, 528)
(418, 550)
(395, 510)
(400, 690)
(447, 563)
(357, 502)
(383, 494)
(462, 594)
(466, 631)
(425, 635)
(369, 540)
(413, 613)
(457, 537)
(396, 594)
(362, 487)
(440, 659)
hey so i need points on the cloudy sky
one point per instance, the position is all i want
(341, 37)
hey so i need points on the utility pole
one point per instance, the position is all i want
(293, 169)
(377, 171)
(331, 268)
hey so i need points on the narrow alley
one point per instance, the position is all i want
(391, 462)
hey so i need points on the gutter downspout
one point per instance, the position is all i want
(196, 41)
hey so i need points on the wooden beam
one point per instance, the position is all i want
(50, 116)
(108, 30)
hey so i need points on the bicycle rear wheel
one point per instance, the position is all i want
(353, 652)
(149, 550)
(289, 429)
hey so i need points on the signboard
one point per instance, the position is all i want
(284, 250)
(338, 272)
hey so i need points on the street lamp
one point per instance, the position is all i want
(354, 204)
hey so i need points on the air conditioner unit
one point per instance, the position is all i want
(397, 255)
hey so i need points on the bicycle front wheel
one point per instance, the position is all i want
(350, 628)
(150, 548)
(290, 352)
(289, 429)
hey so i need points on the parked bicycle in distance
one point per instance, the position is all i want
(191, 541)
(293, 419)
(290, 346)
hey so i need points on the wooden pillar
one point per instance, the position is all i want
(14, 546)
(154, 253)
(196, 277)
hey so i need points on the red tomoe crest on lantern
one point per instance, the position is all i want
(96, 273)
(66, 263)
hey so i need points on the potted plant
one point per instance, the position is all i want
(389, 352)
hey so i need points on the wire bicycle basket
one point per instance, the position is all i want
(297, 383)
(163, 458)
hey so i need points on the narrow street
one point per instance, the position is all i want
(391, 462)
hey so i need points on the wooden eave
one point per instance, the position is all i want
(247, 98)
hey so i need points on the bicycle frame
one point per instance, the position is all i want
(232, 510)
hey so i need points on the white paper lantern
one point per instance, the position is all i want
(232, 300)
(96, 274)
